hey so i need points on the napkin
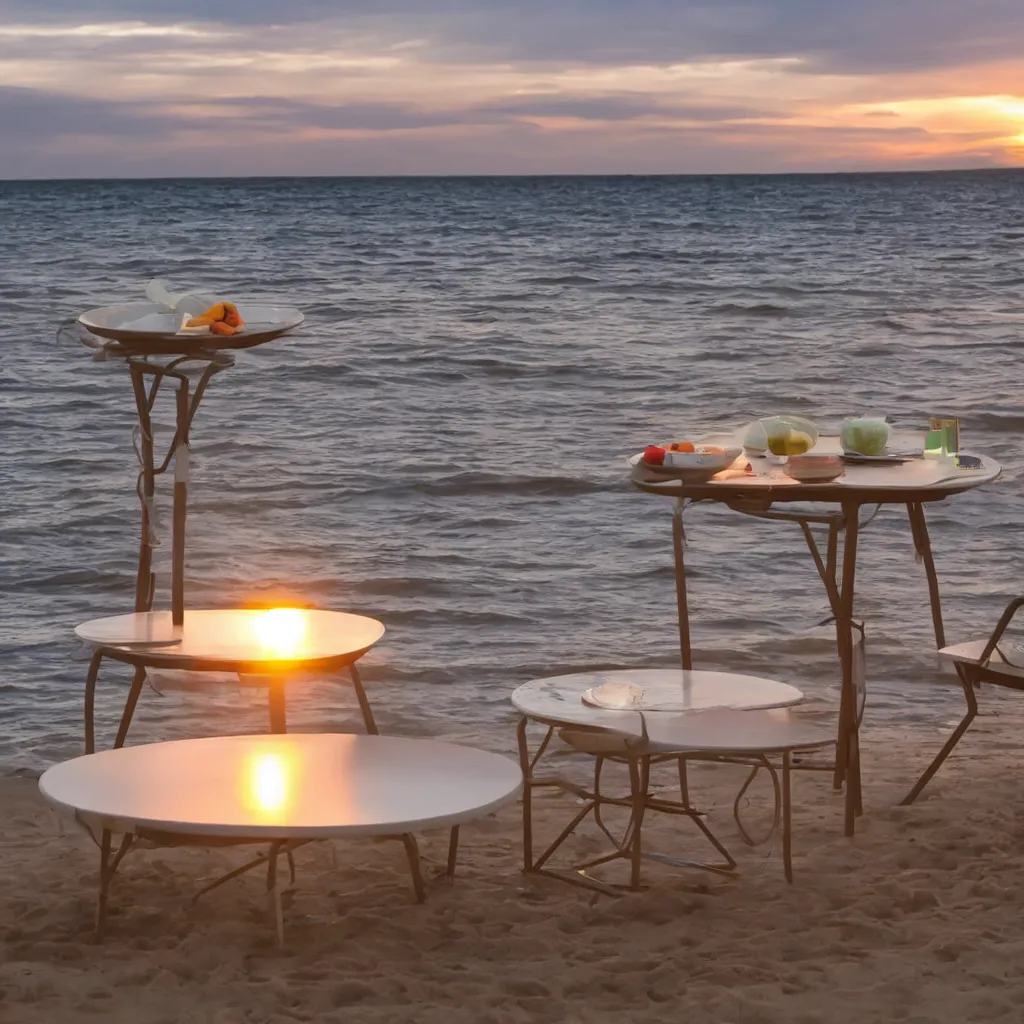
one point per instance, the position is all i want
(181, 311)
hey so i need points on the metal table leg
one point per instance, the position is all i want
(848, 724)
(682, 608)
(277, 706)
(364, 704)
(108, 867)
(129, 706)
(90, 701)
(923, 547)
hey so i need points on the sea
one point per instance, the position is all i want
(443, 445)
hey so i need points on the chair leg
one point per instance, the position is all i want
(972, 710)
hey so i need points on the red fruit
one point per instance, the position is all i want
(654, 455)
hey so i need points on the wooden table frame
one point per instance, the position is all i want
(156, 657)
(836, 569)
(626, 847)
(147, 376)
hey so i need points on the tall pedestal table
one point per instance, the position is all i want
(913, 484)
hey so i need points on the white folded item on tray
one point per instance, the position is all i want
(180, 308)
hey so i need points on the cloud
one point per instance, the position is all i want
(870, 35)
(380, 86)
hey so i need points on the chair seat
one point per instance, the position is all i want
(970, 654)
(716, 731)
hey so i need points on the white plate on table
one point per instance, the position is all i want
(147, 326)
(885, 456)
(691, 464)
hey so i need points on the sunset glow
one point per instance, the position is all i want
(267, 785)
(401, 88)
(281, 631)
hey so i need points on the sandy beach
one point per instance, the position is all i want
(916, 919)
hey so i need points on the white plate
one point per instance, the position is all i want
(691, 463)
(886, 456)
(148, 325)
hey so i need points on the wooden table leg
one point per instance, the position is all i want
(108, 866)
(848, 724)
(527, 769)
(180, 506)
(277, 705)
(678, 546)
(923, 547)
(90, 701)
(364, 704)
(129, 706)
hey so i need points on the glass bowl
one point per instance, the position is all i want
(864, 435)
(789, 435)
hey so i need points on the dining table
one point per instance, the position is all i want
(755, 484)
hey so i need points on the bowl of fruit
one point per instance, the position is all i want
(789, 435)
(865, 435)
(687, 460)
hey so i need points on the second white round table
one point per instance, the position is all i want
(274, 644)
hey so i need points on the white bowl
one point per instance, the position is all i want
(692, 465)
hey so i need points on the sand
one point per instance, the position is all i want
(917, 919)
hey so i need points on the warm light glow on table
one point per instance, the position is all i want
(280, 631)
(267, 783)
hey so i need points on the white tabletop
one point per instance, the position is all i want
(558, 700)
(280, 787)
(717, 731)
(238, 637)
(931, 478)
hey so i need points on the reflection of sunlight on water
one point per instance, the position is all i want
(268, 783)
(280, 631)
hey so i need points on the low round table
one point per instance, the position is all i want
(675, 695)
(558, 700)
(276, 644)
(281, 790)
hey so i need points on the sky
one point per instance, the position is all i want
(138, 88)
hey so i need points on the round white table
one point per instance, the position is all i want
(275, 644)
(558, 700)
(760, 491)
(688, 697)
(278, 789)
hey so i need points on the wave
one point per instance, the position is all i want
(765, 309)
(997, 423)
(469, 484)
(562, 279)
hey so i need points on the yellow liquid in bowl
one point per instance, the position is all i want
(794, 442)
